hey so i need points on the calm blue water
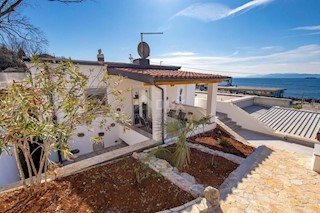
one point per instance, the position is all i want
(296, 87)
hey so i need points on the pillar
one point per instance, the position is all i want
(212, 100)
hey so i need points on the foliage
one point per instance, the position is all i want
(297, 106)
(214, 164)
(223, 142)
(143, 172)
(46, 108)
(9, 58)
(181, 130)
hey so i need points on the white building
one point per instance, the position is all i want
(158, 92)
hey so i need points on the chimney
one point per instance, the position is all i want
(100, 56)
(142, 62)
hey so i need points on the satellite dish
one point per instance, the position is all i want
(143, 50)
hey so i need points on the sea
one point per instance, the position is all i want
(308, 88)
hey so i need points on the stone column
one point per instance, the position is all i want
(212, 100)
(190, 94)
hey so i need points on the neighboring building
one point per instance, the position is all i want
(157, 91)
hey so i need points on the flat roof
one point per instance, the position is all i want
(248, 88)
(108, 63)
(299, 123)
(144, 72)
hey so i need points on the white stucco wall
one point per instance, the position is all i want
(85, 144)
(131, 137)
(8, 170)
(242, 118)
(156, 97)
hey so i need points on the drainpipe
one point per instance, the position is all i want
(162, 112)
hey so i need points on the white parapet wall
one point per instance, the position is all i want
(8, 169)
(130, 136)
(197, 112)
(243, 118)
(270, 102)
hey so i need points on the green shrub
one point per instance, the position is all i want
(297, 106)
(223, 142)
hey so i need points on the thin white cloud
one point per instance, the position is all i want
(235, 53)
(212, 11)
(271, 48)
(180, 54)
(303, 59)
(316, 33)
(249, 6)
(268, 48)
(316, 27)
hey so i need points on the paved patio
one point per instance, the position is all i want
(282, 182)
(258, 139)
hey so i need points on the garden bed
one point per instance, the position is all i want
(211, 138)
(207, 169)
(122, 186)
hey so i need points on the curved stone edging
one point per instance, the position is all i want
(197, 205)
(234, 158)
(208, 198)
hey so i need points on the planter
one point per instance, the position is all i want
(124, 185)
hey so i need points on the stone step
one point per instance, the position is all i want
(235, 127)
(229, 122)
(224, 120)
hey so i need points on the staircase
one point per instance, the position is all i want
(227, 121)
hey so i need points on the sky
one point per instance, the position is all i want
(238, 38)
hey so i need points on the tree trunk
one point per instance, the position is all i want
(16, 155)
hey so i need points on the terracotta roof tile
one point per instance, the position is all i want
(171, 74)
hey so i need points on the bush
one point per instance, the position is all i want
(223, 142)
(297, 106)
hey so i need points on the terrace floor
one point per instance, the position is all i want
(258, 139)
(95, 153)
(255, 110)
(283, 182)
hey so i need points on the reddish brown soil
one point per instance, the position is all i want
(206, 168)
(115, 187)
(210, 140)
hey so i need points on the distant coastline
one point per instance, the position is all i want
(297, 88)
(287, 75)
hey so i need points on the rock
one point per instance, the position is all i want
(162, 165)
(188, 177)
(212, 195)
(175, 170)
(196, 189)
(135, 155)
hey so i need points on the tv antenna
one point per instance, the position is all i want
(143, 47)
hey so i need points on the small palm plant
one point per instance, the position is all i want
(181, 130)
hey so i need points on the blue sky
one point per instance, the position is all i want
(237, 38)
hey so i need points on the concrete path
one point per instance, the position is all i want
(258, 139)
(281, 182)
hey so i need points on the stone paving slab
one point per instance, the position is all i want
(282, 182)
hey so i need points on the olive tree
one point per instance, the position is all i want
(45, 109)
